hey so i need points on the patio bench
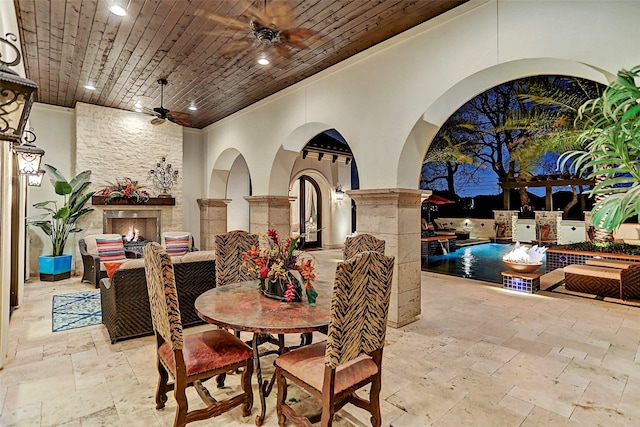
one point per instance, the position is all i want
(623, 283)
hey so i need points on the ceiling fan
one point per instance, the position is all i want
(270, 28)
(162, 114)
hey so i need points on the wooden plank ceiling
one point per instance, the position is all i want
(208, 58)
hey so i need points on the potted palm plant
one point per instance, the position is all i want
(58, 222)
(611, 140)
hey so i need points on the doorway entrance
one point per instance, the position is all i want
(310, 212)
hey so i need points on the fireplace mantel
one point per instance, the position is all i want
(153, 201)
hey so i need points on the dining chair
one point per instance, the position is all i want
(229, 248)
(193, 358)
(351, 357)
(360, 243)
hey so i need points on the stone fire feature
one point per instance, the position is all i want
(115, 144)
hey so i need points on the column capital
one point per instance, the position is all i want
(269, 200)
(403, 197)
(213, 203)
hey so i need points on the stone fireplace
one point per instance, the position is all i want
(145, 224)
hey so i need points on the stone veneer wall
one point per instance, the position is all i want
(115, 144)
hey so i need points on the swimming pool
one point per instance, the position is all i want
(480, 262)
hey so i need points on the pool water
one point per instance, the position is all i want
(480, 262)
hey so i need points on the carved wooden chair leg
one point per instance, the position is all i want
(247, 373)
(282, 397)
(161, 391)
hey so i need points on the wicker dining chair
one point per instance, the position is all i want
(229, 248)
(351, 358)
(193, 358)
(360, 243)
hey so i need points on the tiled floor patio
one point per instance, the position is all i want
(478, 356)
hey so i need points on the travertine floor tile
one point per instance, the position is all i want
(478, 355)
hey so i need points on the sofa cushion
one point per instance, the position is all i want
(132, 263)
(199, 256)
(110, 249)
(177, 245)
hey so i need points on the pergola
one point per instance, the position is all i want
(542, 181)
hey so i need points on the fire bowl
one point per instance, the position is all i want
(523, 267)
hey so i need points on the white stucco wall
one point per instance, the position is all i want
(238, 186)
(378, 99)
(191, 177)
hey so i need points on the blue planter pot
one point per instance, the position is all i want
(54, 268)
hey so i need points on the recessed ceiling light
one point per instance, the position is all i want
(263, 61)
(116, 9)
(193, 107)
(89, 86)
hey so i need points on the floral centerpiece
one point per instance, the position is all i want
(126, 189)
(277, 263)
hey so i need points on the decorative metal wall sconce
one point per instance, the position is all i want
(163, 177)
(339, 193)
(29, 156)
(16, 96)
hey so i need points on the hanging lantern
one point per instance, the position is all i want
(28, 155)
(16, 96)
(35, 180)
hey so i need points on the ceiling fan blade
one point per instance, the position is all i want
(297, 35)
(223, 20)
(235, 47)
(179, 121)
(156, 121)
(280, 13)
(282, 50)
(178, 115)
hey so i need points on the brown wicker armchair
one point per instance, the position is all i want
(94, 270)
(125, 301)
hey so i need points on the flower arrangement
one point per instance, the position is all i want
(275, 262)
(127, 189)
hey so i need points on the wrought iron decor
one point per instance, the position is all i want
(163, 177)
(16, 95)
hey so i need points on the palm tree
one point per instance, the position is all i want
(611, 152)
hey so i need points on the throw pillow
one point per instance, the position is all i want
(110, 249)
(177, 245)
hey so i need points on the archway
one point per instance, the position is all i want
(426, 127)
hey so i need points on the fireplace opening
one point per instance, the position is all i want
(135, 227)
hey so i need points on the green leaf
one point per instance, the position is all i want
(63, 188)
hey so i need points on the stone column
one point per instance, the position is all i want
(266, 212)
(393, 214)
(213, 220)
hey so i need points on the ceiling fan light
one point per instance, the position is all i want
(116, 9)
(192, 107)
(89, 86)
(263, 61)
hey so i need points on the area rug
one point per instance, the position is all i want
(76, 310)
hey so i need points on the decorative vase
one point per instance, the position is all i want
(277, 288)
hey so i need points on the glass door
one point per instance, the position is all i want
(310, 212)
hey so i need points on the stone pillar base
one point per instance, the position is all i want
(213, 220)
(393, 214)
(270, 212)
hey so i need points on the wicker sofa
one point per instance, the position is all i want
(125, 301)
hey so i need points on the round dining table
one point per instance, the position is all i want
(242, 307)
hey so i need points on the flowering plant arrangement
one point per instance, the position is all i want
(126, 189)
(275, 262)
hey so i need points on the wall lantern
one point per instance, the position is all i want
(29, 156)
(35, 180)
(16, 96)
(339, 193)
